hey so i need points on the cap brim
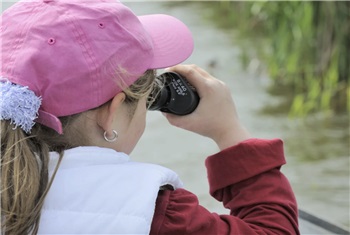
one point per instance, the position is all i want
(172, 40)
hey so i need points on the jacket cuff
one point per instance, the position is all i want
(243, 161)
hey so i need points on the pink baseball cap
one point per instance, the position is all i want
(70, 52)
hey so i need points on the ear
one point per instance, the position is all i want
(108, 112)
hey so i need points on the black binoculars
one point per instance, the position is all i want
(172, 93)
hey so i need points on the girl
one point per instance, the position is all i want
(75, 79)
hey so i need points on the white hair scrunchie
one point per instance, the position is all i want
(19, 105)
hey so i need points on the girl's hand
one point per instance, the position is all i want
(215, 117)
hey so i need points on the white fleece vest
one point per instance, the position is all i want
(100, 191)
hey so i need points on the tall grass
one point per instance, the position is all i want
(306, 47)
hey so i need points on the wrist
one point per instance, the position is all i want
(231, 138)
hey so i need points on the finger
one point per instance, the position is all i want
(187, 68)
(202, 71)
(192, 73)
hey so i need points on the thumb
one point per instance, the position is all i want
(176, 120)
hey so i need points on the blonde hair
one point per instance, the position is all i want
(25, 158)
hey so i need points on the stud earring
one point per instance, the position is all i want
(115, 137)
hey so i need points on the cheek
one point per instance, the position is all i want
(142, 123)
(139, 123)
(138, 127)
(140, 132)
(135, 132)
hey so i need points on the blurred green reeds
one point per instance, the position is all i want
(305, 46)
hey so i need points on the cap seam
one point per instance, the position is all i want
(18, 43)
(86, 51)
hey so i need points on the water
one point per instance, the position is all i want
(317, 150)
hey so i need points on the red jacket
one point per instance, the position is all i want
(247, 179)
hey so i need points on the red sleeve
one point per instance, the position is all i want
(247, 179)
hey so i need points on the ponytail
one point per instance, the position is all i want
(24, 180)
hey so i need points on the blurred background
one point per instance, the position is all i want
(287, 64)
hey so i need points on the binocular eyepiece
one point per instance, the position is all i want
(173, 94)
